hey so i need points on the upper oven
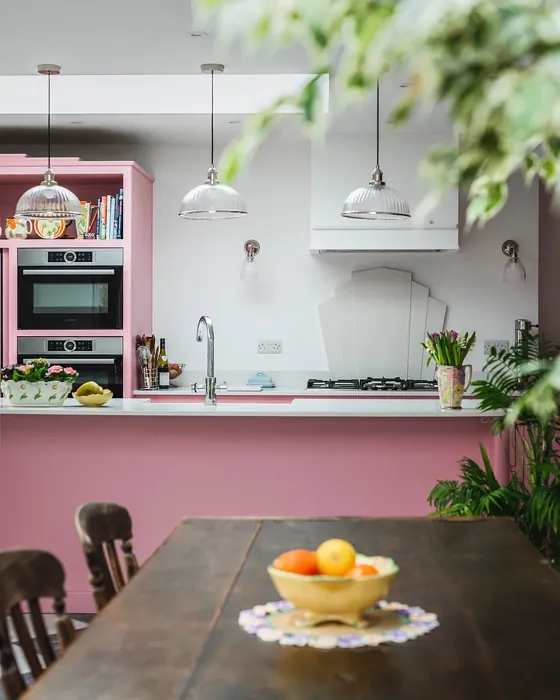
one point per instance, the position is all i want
(70, 289)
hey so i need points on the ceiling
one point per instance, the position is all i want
(106, 37)
(123, 37)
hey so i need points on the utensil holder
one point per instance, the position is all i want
(148, 378)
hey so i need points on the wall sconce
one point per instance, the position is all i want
(249, 271)
(514, 270)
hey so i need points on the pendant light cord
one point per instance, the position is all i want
(49, 120)
(212, 125)
(377, 109)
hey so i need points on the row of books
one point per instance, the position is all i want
(103, 220)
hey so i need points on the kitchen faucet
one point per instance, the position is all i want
(210, 383)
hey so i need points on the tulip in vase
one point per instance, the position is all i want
(448, 350)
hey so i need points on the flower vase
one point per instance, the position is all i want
(36, 394)
(452, 385)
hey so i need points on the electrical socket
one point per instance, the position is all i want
(498, 344)
(269, 347)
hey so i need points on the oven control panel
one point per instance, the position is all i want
(70, 345)
(70, 256)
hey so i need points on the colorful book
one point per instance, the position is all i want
(98, 227)
(103, 224)
(120, 222)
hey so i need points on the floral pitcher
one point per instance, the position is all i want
(452, 384)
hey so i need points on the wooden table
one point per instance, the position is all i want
(173, 632)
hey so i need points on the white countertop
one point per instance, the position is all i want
(299, 408)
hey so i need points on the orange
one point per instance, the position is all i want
(297, 561)
(361, 570)
(335, 557)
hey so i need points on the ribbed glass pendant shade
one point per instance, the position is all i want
(376, 201)
(212, 200)
(49, 201)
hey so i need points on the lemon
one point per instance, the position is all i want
(89, 388)
(335, 557)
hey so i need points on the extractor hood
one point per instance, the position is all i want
(360, 239)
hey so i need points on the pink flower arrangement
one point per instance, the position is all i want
(39, 370)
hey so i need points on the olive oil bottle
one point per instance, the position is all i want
(163, 366)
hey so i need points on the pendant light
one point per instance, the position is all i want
(49, 200)
(212, 200)
(376, 201)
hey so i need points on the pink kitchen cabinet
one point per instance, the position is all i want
(88, 180)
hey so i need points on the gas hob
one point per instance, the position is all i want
(374, 384)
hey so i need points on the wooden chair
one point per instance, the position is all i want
(98, 526)
(26, 575)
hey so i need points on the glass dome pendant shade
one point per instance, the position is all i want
(49, 200)
(212, 200)
(377, 201)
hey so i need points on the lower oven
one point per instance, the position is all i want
(97, 359)
(70, 289)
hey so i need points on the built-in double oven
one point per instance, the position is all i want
(96, 359)
(75, 289)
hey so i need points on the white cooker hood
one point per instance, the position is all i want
(347, 238)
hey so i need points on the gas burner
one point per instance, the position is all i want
(422, 384)
(348, 384)
(383, 384)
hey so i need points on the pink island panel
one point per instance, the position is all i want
(164, 469)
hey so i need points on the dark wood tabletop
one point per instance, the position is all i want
(173, 631)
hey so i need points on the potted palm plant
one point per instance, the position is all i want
(532, 494)
(37, 383)
(449, 350)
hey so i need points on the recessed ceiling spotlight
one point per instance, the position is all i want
(198, 33)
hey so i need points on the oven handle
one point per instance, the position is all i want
(76, 271)
(76, 360)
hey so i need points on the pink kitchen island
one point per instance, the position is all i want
(167, 461)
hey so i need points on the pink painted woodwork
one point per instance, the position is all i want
(167, 468)
(88, 180)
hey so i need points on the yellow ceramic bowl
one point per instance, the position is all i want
(94, 400)
(336, 597)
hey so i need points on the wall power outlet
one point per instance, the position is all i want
(498, 344)
(269, 347)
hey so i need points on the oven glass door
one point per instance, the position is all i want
(84, 299)
(105, 371)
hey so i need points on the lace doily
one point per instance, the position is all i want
(388, 622)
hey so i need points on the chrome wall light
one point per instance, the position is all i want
(250, 271)
(514, 270)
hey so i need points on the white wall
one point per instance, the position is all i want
(197, 264)
(197, 267)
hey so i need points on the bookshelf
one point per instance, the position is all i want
(89, 180)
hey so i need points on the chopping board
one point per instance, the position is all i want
(381, 317)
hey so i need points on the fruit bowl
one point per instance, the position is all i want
(94, 400)
(336, 598)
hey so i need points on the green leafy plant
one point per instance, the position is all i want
(448, 348)
(532, 495)
(492, 64)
